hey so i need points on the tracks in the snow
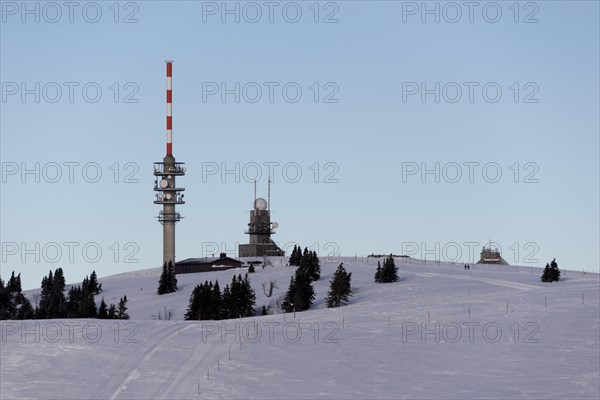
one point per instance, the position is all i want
(112, 388)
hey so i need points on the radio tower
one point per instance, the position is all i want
(168, 194)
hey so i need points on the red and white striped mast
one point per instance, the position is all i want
(168, 194)
(169, 107)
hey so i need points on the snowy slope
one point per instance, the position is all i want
(487, 334)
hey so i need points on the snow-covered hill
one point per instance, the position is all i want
(441, 332)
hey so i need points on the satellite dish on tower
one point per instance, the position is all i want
(164, 183)
(168, 196)
(275, 225)
(260, 204)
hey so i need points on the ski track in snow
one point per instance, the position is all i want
(112, 388)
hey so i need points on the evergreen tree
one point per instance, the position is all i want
(546, 274)
(304, 261)
(551, 272)
(304, 294)
(309, 262)
(112, 311)
(225, 303)
(26, 310)
(214, 309)
(58, 301)
(95, 287)
(300, 294)
(45, 296)
(13, 303)
(235, 298)
(378, 272)
(555, 272)
(14, 283)
(207, 301)
(340, 288)
(168, 281)
(389, 271)
(296, 256)
(7, 308)
(52, 297)
(5, 302)
(292, 260)
(287, 304)
(87, 305)
(247, 297)
(314, 270)
(200, 302)
(264, 311)
(103, 310)
(191, 313)
(122, 310)
(73, 302)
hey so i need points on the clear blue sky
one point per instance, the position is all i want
(368, 61)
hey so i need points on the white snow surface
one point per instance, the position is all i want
(439, 333)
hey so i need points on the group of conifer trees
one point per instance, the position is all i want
(300, 294)
(388, 273)
(79, 302)
(112, 312)
(307, 261)
(208, 303)
(13, 303)
(551, 272)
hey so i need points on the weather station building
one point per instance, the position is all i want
(260, 230)
(491, 255)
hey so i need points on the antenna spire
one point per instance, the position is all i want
(169, 108)
(254, 202)
(269, 195)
